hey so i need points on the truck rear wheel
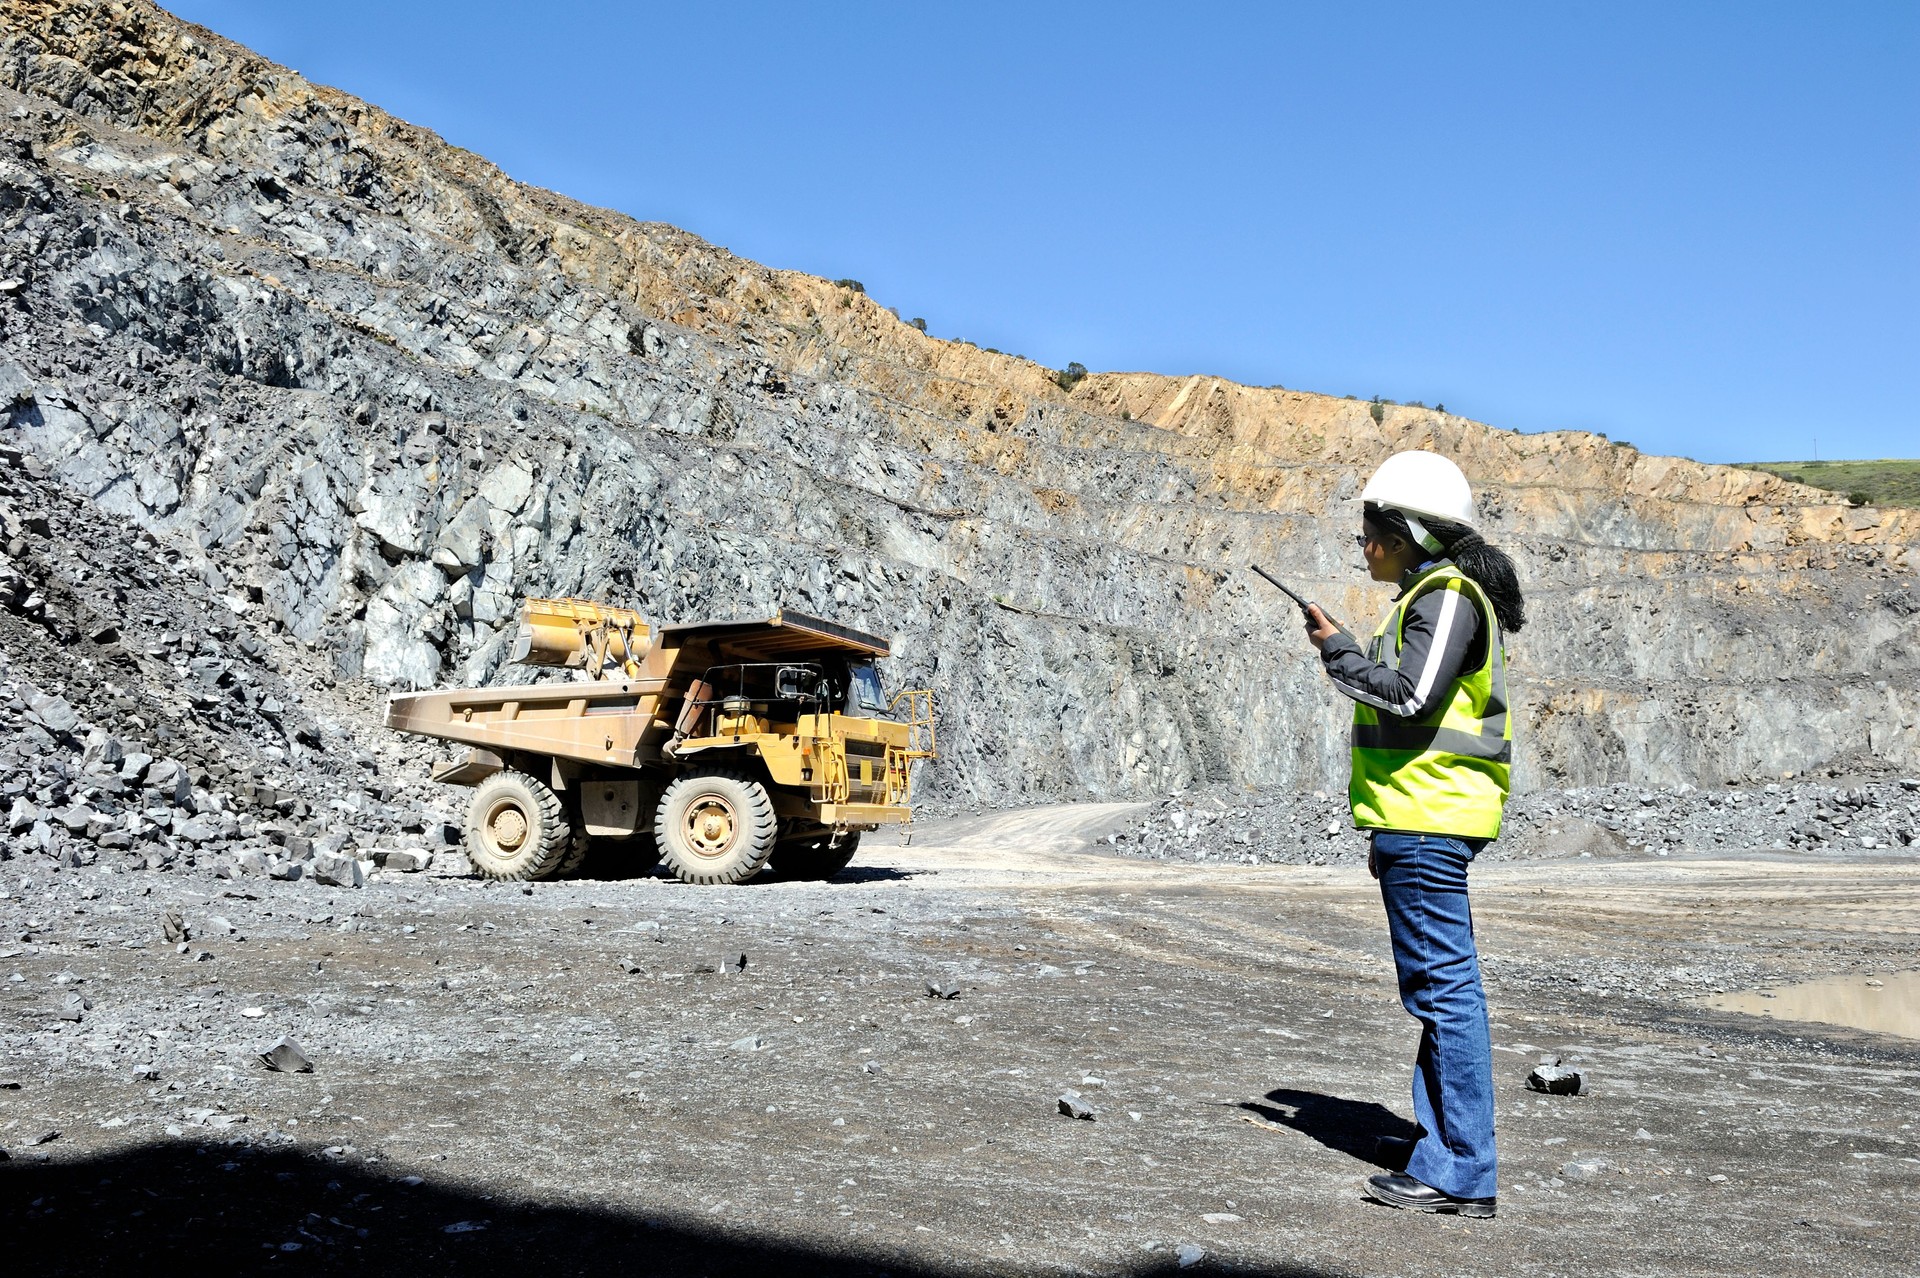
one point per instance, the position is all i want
(517, 828)
(715, 827)
(576, 856)
(815, 856)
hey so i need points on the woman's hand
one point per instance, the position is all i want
(1320, 627)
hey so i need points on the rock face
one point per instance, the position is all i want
(360, 393)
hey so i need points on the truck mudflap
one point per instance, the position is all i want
(476, 767)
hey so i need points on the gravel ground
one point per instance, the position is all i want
(585, 1073)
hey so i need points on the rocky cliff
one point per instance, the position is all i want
(360, 392)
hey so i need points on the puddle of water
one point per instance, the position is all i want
(1887, 1005)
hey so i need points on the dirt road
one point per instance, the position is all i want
(1234, 1029)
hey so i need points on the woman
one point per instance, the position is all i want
(1432, 743)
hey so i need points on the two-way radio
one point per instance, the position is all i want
(1294, 595)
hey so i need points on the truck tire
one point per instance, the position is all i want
(814, 857)
(517, 828)
(715, 827)
(576, 856)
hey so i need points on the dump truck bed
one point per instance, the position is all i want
(618, 721)
(602, 721)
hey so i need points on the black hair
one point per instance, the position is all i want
(1489, 566)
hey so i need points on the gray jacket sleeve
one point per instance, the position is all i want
(1441, 627)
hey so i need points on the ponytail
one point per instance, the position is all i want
(1489, 566)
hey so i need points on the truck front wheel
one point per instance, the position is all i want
(517, 828)
(715, 827)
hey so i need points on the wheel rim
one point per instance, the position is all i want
(506, 827)
(710, 826)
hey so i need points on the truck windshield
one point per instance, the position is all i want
(867, 694)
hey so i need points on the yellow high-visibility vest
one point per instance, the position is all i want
(1446, 772)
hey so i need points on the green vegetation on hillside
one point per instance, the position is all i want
(1887, 482)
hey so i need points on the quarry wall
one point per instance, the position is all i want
(377, 391)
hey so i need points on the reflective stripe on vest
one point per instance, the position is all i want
(1446, 772)
(1420, 738)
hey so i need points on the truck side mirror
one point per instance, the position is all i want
(796, 682)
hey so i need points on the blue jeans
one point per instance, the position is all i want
(1423, 881)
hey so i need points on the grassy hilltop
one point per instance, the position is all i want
(1886, 482)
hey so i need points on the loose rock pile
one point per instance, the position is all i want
(1280, 827)
(1805, 816)
(75, 793)
(1218, 825)
(145, 723)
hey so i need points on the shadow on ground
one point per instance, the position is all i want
(223, 1210)
(876, 874)
(1338, 1123)
(617, 873)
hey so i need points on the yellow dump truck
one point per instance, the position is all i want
(718, 748)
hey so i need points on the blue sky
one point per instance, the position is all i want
(1693, 226)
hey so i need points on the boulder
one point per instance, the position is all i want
(103, 750)
(54, 714)
(336, 869)
(1556, 1080)
(285, 1057)
(404, 860)
(170, 781)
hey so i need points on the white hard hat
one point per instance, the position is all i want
(1422, 483)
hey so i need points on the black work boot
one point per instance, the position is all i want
(1405, 1191)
